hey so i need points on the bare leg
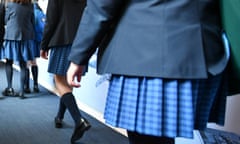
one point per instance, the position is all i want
(67, 98)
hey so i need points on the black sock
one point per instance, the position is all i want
(9, 72)
(26, 83)
(23, 67)
(35, 74)
(70, 102)
(61, 109)
(136, 138)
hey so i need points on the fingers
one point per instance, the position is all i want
(44, 54)
(74, 84)
(74, 71)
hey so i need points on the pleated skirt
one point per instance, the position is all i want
(164, 107)
(58, 60)
(18, 50)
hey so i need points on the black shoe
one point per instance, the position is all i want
(36, 89)
(27, 90)
(79, 130)
(21, 95)
(8, 92)
(58, 122)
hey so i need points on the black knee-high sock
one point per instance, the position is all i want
(26, 83)
(70, 102)
(136, 138)
(61, 109)
(34, 70)
(9, 72)
(23, 67)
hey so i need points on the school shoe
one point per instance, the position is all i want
(36, 89)
(21, 95)
(27, 90)
(79, 130)
(58, 122)
(8, 92)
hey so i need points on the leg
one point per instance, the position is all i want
(9, 73)
(67, 98)
(26, 83)
(23, 69)
(60, 114)
(136, 138)
(35, 78)
(35, 75)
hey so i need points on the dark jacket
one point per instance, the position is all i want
(2, 29)
(155, 38)
(62, 20)
(19, 20)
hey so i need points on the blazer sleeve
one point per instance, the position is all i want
(52, 18)
(97, 19)
(2, 29)
(7, 14)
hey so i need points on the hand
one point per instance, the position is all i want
(44, 54)
(74, 71)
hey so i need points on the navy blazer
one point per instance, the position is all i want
(19, 21)
(154, 38)
(2, 29)
(62, 20)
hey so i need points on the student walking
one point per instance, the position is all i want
(62, 20)
(167, 62)
(39, 24)
(18, 41)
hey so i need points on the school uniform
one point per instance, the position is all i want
(19, 33)
(62, 21)
(167, 63)
(2, 30)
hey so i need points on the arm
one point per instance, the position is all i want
(2, 15)
(7, 14)
(52, 18)
(97, 19)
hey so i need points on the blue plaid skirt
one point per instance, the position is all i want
(58, 60)
(18, 50)
(163, 107)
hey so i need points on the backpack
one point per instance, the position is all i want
(40, 19)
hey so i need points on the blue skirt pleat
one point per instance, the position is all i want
(18, 50)
(58, 60)
(161, 107)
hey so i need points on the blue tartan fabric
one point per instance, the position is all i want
(58, 60)
(160, 107)
(18, 50)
